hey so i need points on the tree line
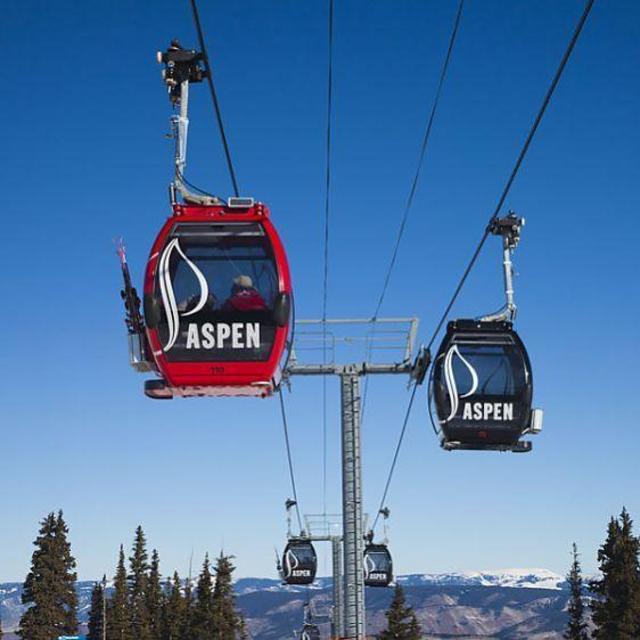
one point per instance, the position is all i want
(140, 605)
(613, 598)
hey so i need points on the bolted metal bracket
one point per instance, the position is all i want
(421, 365)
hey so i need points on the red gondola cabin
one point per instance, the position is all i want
(217, 302)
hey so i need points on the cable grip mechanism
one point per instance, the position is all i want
(180, 65)
(509, 228)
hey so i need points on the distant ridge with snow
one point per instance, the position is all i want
(531, 601)
(515, 578)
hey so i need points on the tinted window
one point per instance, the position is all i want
(216, 284)
(224, 254)
(304, 554)
(482, 380)
(378, 561)
(499, 368)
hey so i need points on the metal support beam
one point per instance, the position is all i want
(360, 369)
(338, 612)
(354, 625)
(319, 528)
(180, 125)
(180, 130)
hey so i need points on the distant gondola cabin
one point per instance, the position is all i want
(299, 562)
(378, 565)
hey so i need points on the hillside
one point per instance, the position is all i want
(505, 605)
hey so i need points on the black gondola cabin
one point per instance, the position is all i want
(378, 565)
(299, 562)
(482, 387)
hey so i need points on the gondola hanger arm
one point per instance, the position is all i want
(509, 228)
(182, 67)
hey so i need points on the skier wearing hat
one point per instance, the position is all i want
(244, 296)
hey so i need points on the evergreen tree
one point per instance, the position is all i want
(138, 580)
(96, 613)
(228, 623)
(174, 611)
(68, 577)
(188, 612)
(49, 589)
(1, 634)
(118, 615)
(402, 623)
(155, 598)
(577, 627)
(203, 620)
(616, 608)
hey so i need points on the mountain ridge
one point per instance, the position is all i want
(522, 578)
(503, 604)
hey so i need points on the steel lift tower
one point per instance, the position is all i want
(387, 335)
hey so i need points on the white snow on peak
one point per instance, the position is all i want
(519, 578)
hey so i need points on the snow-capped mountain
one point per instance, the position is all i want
(518, 578)
(529, 602)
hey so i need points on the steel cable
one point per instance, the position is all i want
(325, 286)
(503, 196)
(516, 168)
(412, 191)
(285, 427)
(214, 97)
(423, 149)
(396, 454)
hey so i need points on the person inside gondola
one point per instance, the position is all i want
(244, 296)
(191, 302)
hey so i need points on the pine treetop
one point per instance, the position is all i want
(224, 575)
(96, 612)
(175, 621)
(204, 586)
(402, 623)
(229, 622)
(155, 597)
(138, 564)
(577, 626)
(616, 609)
(203, 618)
(138, 580)
(119, 615)
(154, 581)
(120, 577)
(49, 588)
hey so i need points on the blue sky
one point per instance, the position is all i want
(84, 160)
